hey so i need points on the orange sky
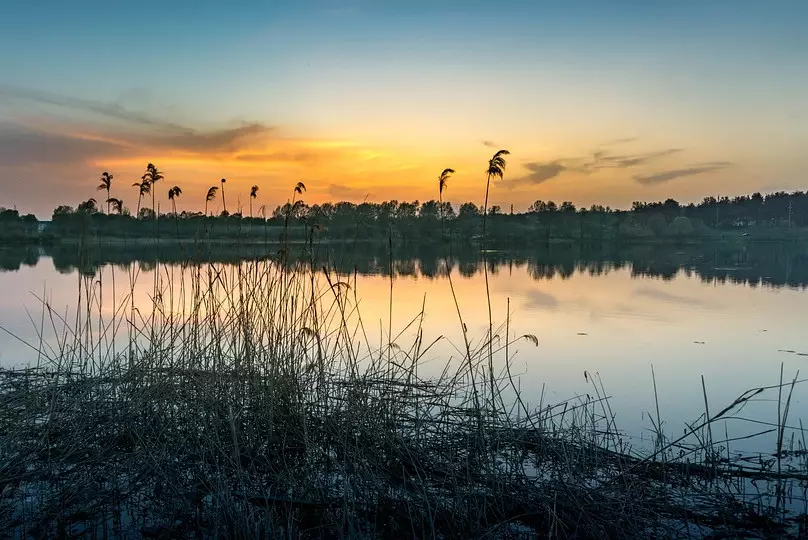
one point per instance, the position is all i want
(597, 104)
(542, 166)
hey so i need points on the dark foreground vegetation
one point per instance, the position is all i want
(249, 401)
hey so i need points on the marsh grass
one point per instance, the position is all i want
(252, 400)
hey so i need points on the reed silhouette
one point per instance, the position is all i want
(117, 205)
(152, 176)
(173, 195)
(144, 188)
(253, 195)
(105, 185)
(210, 197)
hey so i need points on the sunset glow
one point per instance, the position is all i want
(596, 104)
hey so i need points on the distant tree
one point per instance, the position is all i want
(567, 207)
(62, 213)
(7, 214)
(117, 205)
(681, 226)
(496, 210)
(90, 206)
(105, 185)
(658, 224)
(429, 210)
(407, 210)
(468, 210)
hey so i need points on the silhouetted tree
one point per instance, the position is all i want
(117, 205)
(105, 185)
(468, 210)
(90, 206)
(152, 176)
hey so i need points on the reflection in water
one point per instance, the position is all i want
(615, 310)
(771, 264)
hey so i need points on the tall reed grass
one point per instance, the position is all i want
(252, 400)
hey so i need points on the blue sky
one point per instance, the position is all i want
(396, 92)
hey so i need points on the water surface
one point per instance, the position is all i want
(729, 315)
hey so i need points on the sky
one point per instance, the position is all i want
(597, 102)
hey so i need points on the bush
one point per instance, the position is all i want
(680, 226)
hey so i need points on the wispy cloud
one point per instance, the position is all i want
(110, 110)
(118, 136)
(219, 140)
(601, 160)
(671, 174)
(538, 299)
(20, 146)
(666, 297)
(340, 191)
(615, 142)
(538, 173)
(489, 144)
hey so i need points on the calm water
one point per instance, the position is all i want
(731, 315)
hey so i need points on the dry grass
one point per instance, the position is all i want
(249, 401)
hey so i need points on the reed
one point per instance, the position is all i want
(248, 400)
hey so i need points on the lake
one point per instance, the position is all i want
(730, 314)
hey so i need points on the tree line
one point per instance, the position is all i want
(431, 219)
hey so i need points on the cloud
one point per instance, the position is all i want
(111, 110)
(597, 160)
(540, 172)
(340, 191)
(603, 161)
(538, 299)
(489, 144)
(220, 140)
(668, 298)
(282, 157)
(615, 142)
(666, 176)
(20, 146)
(139, 130)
